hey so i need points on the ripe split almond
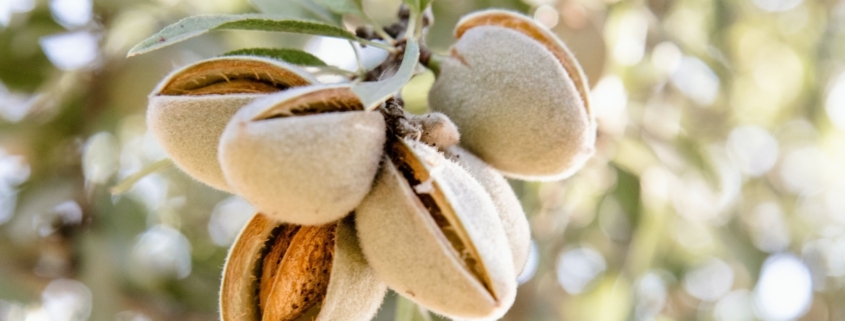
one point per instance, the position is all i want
(305, 156)
(190, 108)
(433, 234)
(517, 95)
(507, 204)
(285, 272)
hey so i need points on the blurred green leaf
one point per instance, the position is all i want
(424, 4)
(373, 93)
(413, 4)
(307, 9)
(24, 66)
(417, 5)
(409, 311)
(293, 56)
(343, 6)
(197, 25)
(627, 191)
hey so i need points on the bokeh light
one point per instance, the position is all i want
(651, 292)
(777, 5)
(10, 7)
(735, 306)
(695, 79)
(72, 13)
(578, 267)
(547, 15)
(753, 149)
(784, 291)
(227, 219)
(71, 51)
(65, 300)
(805, 170)
(161, 253)
(531, 266)
(13, 171)
(835, 102)
(769, 229)
(710, 280)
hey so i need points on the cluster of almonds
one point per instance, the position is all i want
(431, 216)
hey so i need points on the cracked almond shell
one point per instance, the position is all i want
(518, 96)
(507, 204)
(285, 272)
(432, 234)
(306, 156)
(190, 108)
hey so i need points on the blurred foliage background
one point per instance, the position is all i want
(714, 195)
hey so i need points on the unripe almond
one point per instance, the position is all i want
(437, 130)
(190, 107)
(507, 204)
(518, 96)
(432, 234)
(306, 156)
(287, 272)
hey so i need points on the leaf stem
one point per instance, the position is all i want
(411, 31)
(388, 48)
(361, 69)
(431, 60)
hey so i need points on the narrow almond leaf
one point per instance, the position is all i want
(306, 9)
(197, 25)
(342, 6)
(293, 56)
(376, 92)
(126, 184)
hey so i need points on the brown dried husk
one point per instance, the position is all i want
(190, 108)
(285, 272)
(432, 233)
(306, 156)
(518, 97)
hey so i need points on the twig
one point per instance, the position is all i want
(386, 47)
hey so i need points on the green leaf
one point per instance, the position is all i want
(409, 311)
(417, 5)
(307, 9)
(293, 56)
(424, 4)
(343, 6)
(374, 93)
(414, 5)
(197, 25)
